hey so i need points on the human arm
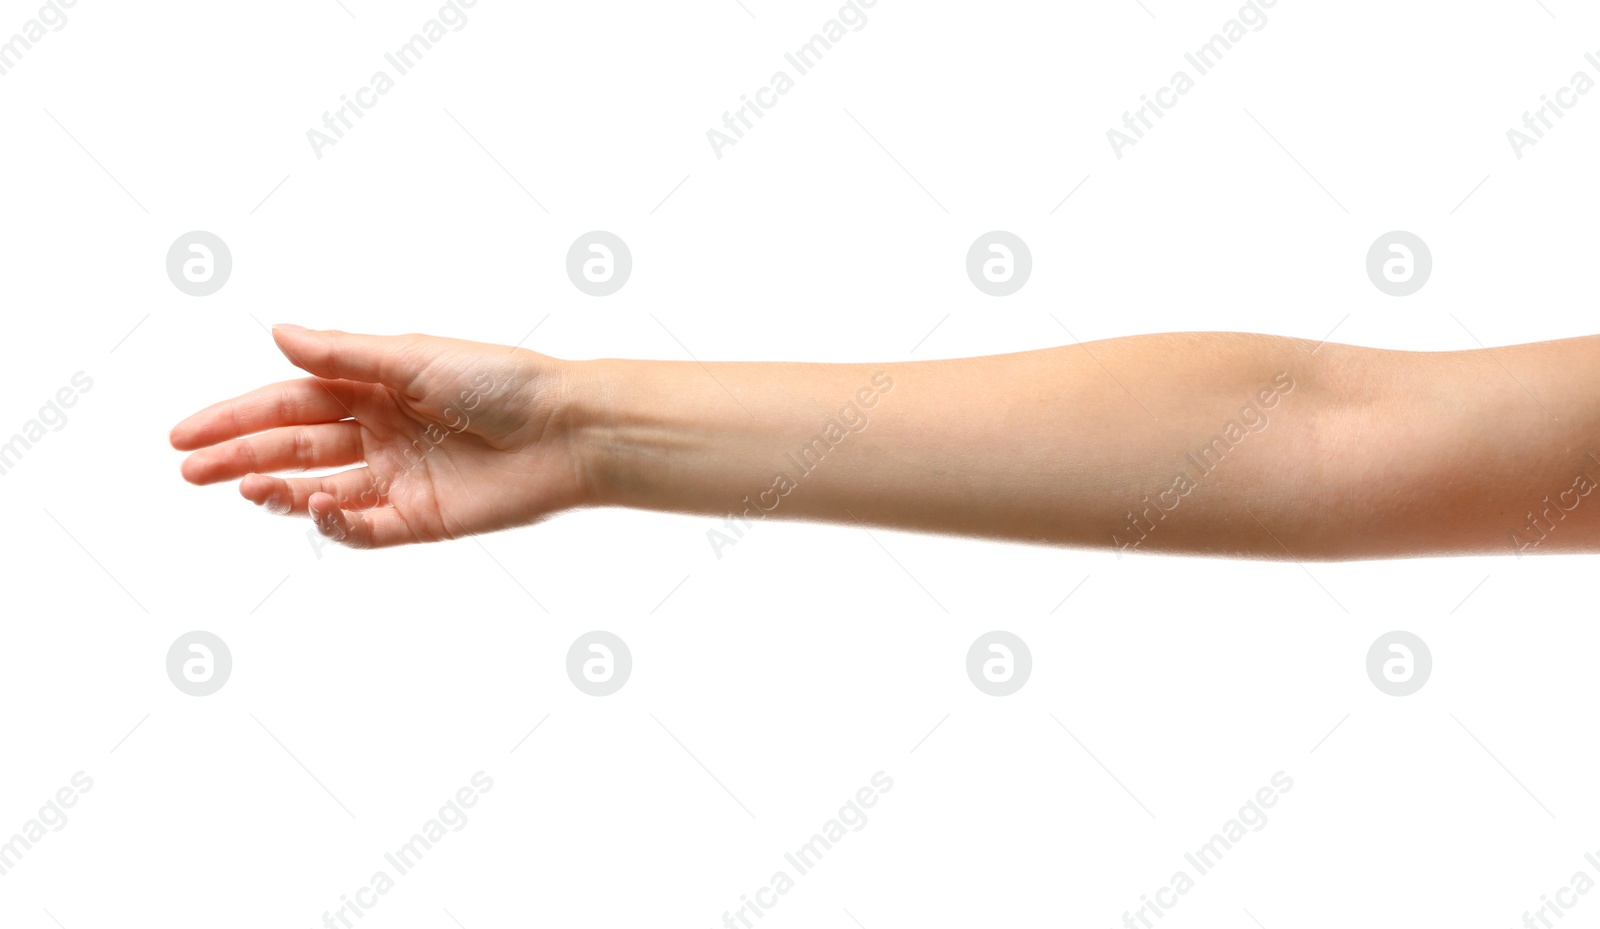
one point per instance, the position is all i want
(1333, 451)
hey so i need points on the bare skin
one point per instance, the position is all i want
(1224, 444)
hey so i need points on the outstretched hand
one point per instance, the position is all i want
(456, 438)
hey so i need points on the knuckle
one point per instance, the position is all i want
(304, 448)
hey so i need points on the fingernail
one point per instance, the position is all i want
(290, 326)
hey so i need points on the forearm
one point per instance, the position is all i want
(1212, 443)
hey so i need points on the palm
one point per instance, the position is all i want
(448, 471)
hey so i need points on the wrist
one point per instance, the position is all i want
(659, 435)
(589, 400)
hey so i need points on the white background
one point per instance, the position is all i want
(771, 684)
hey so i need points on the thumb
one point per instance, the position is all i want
(393, 361)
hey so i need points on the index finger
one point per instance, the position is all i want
(290, 403)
